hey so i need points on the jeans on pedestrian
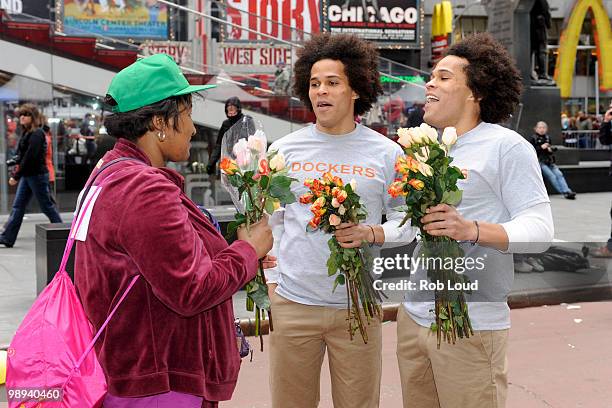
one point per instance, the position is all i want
(30, 185)
(552, 173)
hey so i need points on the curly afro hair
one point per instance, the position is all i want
(360, 60)
(491, 75)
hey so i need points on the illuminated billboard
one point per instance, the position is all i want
(129, 19)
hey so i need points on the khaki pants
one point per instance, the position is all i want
(297, 345)
(469, 374)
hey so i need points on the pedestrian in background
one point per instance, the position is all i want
(545, 151)
(233, 111)
(282, 79)
(31, 176)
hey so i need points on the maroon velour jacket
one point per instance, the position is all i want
(175, 329)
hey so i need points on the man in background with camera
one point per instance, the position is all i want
(31, 175)
(541, 141)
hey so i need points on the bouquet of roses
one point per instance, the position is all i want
(427, 179)
(332, 203)
(257, 182)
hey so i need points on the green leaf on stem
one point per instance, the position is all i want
(332, 267)
(433, 154)
(239, 219)
(340, 280)
(452, 197)
(269, 205)
(235, 180)
(259, 295)
(263, 182)
(248, 177)
(280, 188)
(439, 189)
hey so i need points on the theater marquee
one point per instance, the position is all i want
(389, 23)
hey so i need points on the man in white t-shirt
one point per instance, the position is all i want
(504, 209)
(337, 77)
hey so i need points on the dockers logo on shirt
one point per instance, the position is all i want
(334, 168)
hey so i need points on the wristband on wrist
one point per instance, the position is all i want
(373, 234)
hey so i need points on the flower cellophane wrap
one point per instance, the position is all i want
(257, 182)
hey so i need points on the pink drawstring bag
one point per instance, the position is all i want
(49, 362)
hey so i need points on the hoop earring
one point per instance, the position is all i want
(161, 136)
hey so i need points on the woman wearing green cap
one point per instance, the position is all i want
(172, 342)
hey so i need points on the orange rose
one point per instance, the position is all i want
(308, 182)
(341, 196)
(416, 184)
(396, 189)
(228, 166)
(314, 223)
(306, 198)
(406, 164)
(338, 181)
(328, 178)
(401, 166)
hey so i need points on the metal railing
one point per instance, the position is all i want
(582, 139)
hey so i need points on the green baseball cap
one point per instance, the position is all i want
(149, 80)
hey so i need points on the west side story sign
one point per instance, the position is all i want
(389, 23)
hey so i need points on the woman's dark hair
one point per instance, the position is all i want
(360, 60)
(34, 113)
(491, 75)
(133, 124)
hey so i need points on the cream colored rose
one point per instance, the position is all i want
(425, 169)
(404, 137)
(423, 154)
(277, 163)
(257, 141)
(449, 136)
(417, 135)
(431, 133)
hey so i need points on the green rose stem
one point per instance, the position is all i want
(452, 319)
(260, 278)
(358, 292)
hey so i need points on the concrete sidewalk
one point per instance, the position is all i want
(559, 357)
